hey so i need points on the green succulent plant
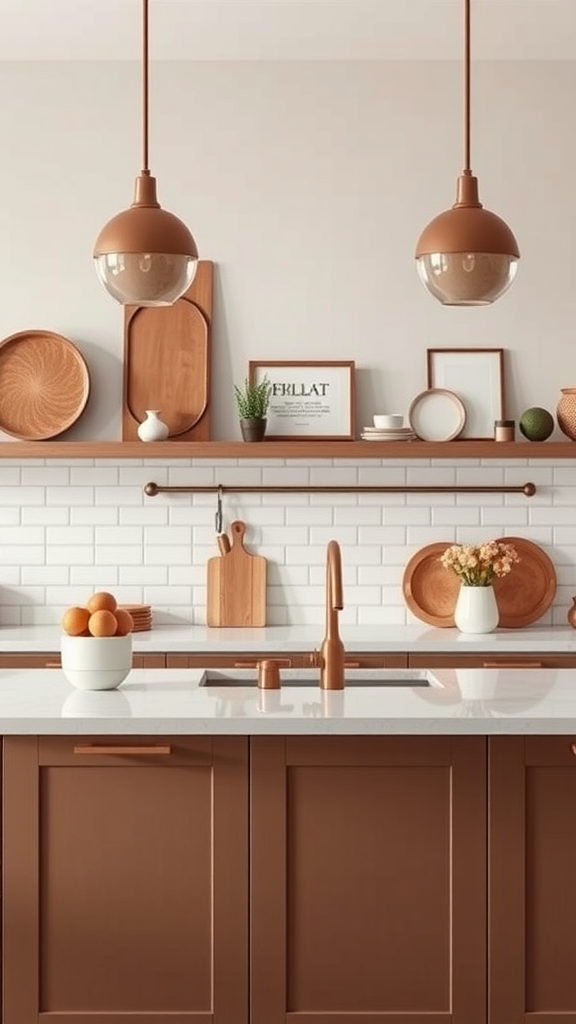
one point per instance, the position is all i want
(253, 399)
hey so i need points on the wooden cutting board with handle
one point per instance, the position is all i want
(236, 584)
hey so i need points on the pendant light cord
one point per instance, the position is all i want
(467, 168)
(145, 168)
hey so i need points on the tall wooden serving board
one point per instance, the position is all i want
(236, 585)
(167, 362)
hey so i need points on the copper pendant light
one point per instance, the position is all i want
(467, 256)
(145, 256)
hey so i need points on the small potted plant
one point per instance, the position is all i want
(252, 401)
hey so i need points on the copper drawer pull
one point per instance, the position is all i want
(511, 664)
(53, 664)
(573, 748)
(88, 748)
(352, 664)
(281, 662)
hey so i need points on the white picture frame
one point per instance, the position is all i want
(476, 375)
(308, 400)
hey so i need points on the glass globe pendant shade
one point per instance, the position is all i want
(467, 256)
(145, 256)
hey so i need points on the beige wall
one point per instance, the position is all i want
(307, 184)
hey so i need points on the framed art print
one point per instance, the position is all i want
(476, 375)
(311, 400)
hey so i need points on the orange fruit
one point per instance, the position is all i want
(102, 623)
(101, 601)
(75, 621)
(125, 622)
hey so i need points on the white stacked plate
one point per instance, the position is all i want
(387, 434)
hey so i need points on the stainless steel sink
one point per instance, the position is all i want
(391, 677)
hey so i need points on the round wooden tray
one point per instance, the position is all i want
(430, 590)
(44, 385)
(528, 591)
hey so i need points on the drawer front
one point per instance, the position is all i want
(292, 659)
(131, 751)
(492, 661)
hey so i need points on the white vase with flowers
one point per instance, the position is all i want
(477, 565)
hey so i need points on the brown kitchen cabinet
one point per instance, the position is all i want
(290, 659)
(125, 865)
(393, 879)
(368, 879)
(532, 829)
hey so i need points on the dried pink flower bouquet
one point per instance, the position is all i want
(478, 564)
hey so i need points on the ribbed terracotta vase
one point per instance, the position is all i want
(566, 412)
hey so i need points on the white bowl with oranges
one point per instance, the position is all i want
(96, 646)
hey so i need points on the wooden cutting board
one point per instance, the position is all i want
(167, 362)
(236, 585)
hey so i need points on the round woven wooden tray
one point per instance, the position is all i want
(44, 385)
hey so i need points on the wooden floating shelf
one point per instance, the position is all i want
(305, 450)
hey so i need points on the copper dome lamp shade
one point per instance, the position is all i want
(145, 256)
(467, 256)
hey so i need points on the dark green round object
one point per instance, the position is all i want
(536, 424)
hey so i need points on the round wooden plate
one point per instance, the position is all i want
(44, 385)
(528, 591)
(430, 590)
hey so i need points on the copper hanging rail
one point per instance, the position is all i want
(152, 489)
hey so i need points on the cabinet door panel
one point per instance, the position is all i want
(121, 899)
(368, 880)
(532, 940)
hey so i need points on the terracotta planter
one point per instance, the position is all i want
(253, 430)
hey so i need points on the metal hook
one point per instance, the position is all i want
(218, 515)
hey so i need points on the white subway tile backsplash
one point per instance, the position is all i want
(358, 516)
(499, 518)
(86, 514)
(67, 531)
(93, 476)
(11, 517)
(310, 516)
(75, 535)
(324, 534)
(111, 555)
(455, 516)
(69, 497)
(19, 496)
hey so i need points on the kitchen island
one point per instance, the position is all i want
(221, 854)
(174, 701)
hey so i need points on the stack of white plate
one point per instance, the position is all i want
(388, 434)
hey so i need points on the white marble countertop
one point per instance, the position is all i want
(203, 640)
(173, 702)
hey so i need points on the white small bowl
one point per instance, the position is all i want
(389, 421)
(94, 662)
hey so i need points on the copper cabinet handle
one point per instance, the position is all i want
(511, 664)
(573, 748)
(88, 748)
(281, 662)
(53, 664)
(352, 664)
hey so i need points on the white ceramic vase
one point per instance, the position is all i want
(476, 610)
(153, 428)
